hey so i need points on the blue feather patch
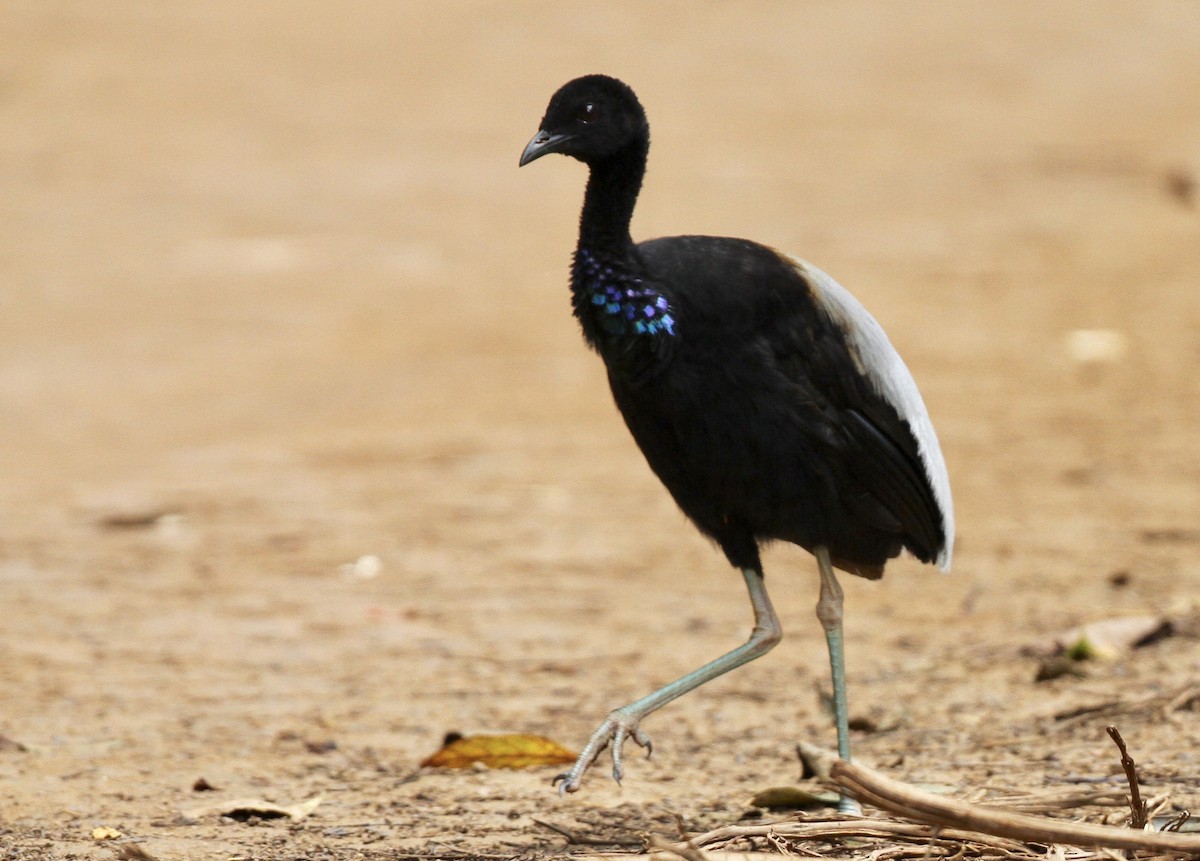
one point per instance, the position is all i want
(621, 299)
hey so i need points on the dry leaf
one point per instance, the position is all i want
(1110, 637)
(105, 833)
(244, 808)
(517, 750)
(793, 798)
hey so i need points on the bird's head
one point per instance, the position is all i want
(590, 118)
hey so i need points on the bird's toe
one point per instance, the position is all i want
(849, 806)
(566, 782)
(620, 733)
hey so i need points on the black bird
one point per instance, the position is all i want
(763, 395)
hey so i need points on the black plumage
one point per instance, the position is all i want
(763, 396)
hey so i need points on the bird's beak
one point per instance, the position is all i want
(542, 144)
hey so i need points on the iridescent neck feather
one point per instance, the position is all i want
(610, 301)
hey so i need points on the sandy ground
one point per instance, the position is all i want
(274, 296)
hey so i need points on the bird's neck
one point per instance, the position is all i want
(623, 313)
(612, 191)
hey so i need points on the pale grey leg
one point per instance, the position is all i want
(829, 611)
(622, 723)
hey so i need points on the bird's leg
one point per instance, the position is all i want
(829, 611)
(622, 723)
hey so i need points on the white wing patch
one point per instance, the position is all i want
(878, 361)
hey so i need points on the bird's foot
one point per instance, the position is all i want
(616, 729)
(848, 805)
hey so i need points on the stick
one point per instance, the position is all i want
(1139, 810)
(871, 787)
(686, 850)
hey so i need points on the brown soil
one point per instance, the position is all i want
(275, 297)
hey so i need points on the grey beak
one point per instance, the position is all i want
(543, 143)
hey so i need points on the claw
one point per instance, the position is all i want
(563, 782)
(616, 729)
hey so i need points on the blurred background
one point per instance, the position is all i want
(275, 296)
(256, 222)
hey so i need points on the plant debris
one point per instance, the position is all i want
(793, 798)
(1139, 812)
(1112, 637)
(243, 809)
(517, 750)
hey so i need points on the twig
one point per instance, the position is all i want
(582, 839)
(687, 850)
(1088, 710)
(1155, 805)
(782, 846)
(872, 787)
(838, 828)
(1030, 802)
(1164, 704)
(1178, 822)
(1184, 698)
(1138, 809)
(455, 855)
(694, 853)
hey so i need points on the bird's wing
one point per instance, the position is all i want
(838, 358)
(896, 481)
(910, 468)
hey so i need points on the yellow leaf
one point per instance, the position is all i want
(106, 833)
(517, 750)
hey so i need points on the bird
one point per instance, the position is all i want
(763, 395)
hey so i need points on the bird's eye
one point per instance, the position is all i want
(587, 113)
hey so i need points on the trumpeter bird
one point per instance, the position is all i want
(762, 394)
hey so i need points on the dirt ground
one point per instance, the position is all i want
(274, 297)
